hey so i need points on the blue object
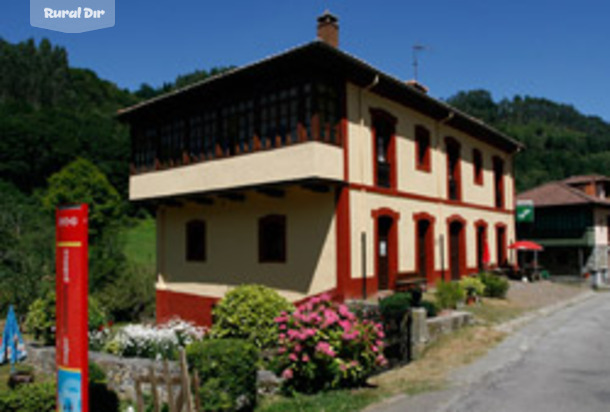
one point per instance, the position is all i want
(69, 384)
(12, 348)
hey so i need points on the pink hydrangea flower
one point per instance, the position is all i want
(287, 374)
(325, 348)
(381, 360)
(305, 357)
(293, 357)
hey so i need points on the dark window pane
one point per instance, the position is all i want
(195, 241)
(272, 238)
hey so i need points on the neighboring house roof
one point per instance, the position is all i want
(320, 54)
(586, 179)
(560, 194)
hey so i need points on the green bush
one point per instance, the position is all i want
(395, 306)
(495, 286)
(40, 320)
(431, 308)
(449, 294)
(473, 286)
(249, 312)
(227, 373)
(35, 397)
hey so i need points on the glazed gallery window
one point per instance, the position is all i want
(272, 239)
(196, 241)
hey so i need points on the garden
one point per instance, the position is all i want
(314, 352)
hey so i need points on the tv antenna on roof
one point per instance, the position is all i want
(417, 48)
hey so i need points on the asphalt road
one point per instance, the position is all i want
(566, 368)
(558, 362)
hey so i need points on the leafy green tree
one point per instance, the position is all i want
(82, 182)
(26, 249)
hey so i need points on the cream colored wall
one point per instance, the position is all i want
(232, 245)
(409, 179)
(301, 161)
(363, 203)
(601, 226)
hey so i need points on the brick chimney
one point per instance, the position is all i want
(328, 29)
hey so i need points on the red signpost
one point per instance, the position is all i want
(72, 288)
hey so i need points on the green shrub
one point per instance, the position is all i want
(248, 312)
(431, 308)
(449, 294)
(96, 373)
(495, 286)
(473, 286)
(395, 306)
(35, 397)
(324, 346)
(40, 320)
(227, 373)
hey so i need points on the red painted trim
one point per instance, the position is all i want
(379, 114)
(480, 224)
(407, 195)
(498, 163)
(342, 216)
(457, 172)
(422, 133)
(417, 217)
(345, 139)
(477, 174)
(462, 245)
(502, 244)
(392, 244)
(193, 308)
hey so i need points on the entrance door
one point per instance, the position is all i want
(480, 247)
(384, 226)
(455, 249)
(423, 233)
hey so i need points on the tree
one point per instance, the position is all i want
(26, 249)
(82, 182)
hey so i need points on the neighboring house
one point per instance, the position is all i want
(311, 171)
(571, 219)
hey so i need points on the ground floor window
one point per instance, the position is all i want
(501, 244)
(272, 239)
(195, 241)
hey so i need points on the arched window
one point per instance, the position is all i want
(195, 241)
(272, 239)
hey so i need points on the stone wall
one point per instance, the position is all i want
(121, 372)
(427, 331)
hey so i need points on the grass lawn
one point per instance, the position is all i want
(5, 372)
(494, 311)
(140, 242)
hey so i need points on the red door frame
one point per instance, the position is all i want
(480, 224)
(392, 243)
(417, 217)
(462, 245)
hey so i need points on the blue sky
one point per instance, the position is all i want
(554, 49)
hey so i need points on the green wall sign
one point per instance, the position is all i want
(525, 211)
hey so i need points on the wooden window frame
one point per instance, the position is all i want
(422, 135)
(477, 166)
(190, 254)
(499, 192)
(380, 115)
(452, 144)
(263, 251)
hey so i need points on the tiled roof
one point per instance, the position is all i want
(586, 179)
(559, 194)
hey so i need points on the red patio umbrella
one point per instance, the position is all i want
(526, 245)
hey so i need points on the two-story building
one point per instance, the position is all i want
(572, 222)
(312, 171)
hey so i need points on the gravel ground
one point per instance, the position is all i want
(542, 293)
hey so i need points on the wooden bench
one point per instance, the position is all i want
(406, 281)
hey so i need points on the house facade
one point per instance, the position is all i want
(311, 172)
(572, 222)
